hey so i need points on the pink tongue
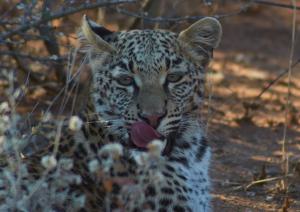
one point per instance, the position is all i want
(142, 134)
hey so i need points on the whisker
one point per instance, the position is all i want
(96, 113)
(101, 121)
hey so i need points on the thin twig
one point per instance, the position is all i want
(62, 13)
(157, 19)
(243, 8)
(271, 3)
(63, 89)
(10, 22)
(285, 162)
(31, 57)
(265, 181)
(145, 7)
(25, 71)
(283, 73)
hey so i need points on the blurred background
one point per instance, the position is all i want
(252, 109)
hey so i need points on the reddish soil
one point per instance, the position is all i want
(248, 146)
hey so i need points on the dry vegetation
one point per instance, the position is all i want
(254, 132)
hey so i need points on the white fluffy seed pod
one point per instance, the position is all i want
(4, 107)
(49, 161)
(93, 166)
(115, 150)
(75, 123)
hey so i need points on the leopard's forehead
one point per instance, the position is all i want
(148, 50)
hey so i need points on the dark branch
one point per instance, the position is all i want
(270, 3)
(51, 42)
(243, 8)
(60, 14)
(52, 58)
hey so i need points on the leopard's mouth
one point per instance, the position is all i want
(142, 134)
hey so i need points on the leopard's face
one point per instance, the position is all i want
(146, 76)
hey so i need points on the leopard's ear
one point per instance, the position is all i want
(94, 34)
(199, 40)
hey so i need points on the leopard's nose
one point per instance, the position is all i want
(152, 119)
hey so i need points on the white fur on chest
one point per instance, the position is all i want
(196, 172)
(198, 180)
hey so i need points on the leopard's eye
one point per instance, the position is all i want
(125, 80)
(174, 77)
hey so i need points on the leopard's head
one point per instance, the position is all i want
(154, 77)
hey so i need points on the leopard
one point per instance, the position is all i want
(147, 84)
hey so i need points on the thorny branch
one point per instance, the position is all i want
(21, 25)
(63, 13)
(48, 39)
(86, 6)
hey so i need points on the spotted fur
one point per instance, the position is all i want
(137, 74)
